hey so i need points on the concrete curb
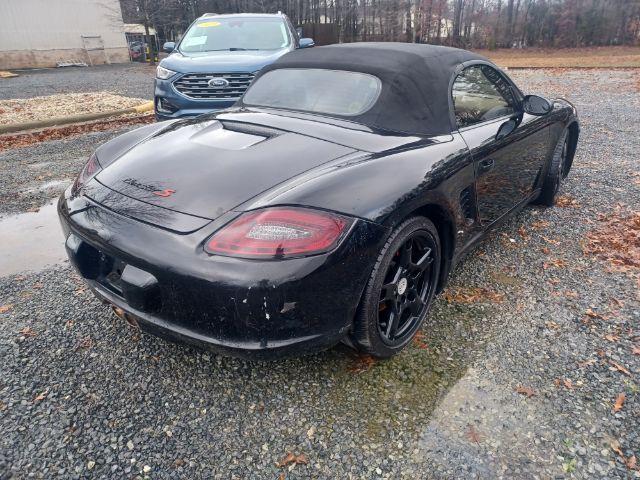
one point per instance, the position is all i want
(85, 117)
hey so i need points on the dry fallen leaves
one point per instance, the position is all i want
(556, 262)
(41, 396)
(552, 241)
(629, 462)
(587, 363)
(567, 383)
(523, 233)
(539, 225)
(418, 341)
(615, 446)
(362, 363)
(472, 295)
(290, 459)
(611, 337)
(635, 350)
(28, 332)
(619, 402)
(617, 302)
(85, 343)
(6, 308)
(528, 391)
(616, 240)
(473, 434)
(591, 313)
(617, 367)
(567, 201)
(26, 139)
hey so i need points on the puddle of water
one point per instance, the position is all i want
(478, 417)
(31, 241)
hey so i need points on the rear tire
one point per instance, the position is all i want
(556, 173)
(400, 290)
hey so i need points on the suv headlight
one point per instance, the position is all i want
(164, 73)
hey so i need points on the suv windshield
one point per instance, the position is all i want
(333, 92)
(216, 34)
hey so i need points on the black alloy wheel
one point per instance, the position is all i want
(407, 283)
(400, 290)
(556, 173)
(561, 163)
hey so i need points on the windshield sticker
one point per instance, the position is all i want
(208, 24)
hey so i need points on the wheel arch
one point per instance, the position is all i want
(574, 132)
(445, 225)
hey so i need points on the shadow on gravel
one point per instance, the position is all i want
(373, 397)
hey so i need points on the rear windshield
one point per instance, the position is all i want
(219, 34)
(333, 92)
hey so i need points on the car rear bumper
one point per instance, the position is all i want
(254, 350)
(247, 308)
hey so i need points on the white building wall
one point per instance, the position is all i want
(40, 33)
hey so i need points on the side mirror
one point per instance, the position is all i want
(506, 128)
(169, 46)
(299, 31)
(306, 42)
(535, 105)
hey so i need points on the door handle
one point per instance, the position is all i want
(486, 164)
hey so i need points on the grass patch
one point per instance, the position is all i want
(593, 57)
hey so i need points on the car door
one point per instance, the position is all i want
(508, 147)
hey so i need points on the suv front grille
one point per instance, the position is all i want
(196, 85)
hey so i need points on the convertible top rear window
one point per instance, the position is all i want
(332, 92)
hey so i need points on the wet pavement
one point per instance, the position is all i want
(31, 241)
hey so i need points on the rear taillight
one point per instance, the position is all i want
(280, 232)
(88, 171)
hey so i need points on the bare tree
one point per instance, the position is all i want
(468, 23)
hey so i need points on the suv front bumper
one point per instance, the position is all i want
(168, 103)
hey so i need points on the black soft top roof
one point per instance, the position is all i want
(415, 80)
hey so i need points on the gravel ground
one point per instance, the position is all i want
(82, 395)
(128, 79)
(37, 173)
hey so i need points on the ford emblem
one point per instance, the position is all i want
(218, 82)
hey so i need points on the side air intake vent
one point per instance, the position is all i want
(468, 203)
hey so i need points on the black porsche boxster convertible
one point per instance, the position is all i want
(330, 204)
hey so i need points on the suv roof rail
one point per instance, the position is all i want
(208, 15)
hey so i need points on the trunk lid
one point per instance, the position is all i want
(205, 168)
